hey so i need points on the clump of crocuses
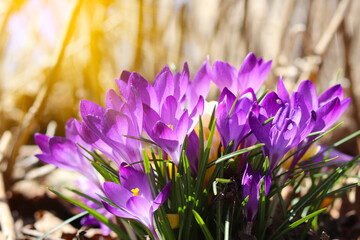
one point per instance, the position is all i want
(158, 160)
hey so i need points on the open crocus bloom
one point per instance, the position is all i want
(327, 108)
(133, 198)
(290, 126)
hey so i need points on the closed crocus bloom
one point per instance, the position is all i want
(107, 129)
(133, 197)
(169, 128)
(251, 74)
(250, 186)
(233, 114)
(65, 153)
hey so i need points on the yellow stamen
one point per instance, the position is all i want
(135, 192)
(171, 126)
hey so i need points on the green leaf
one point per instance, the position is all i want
(298, 222)
(102, 171)
(262, 96)
(262, 209)
(212, 118)
(84, 195)
(233, 106)
(202, 225)
(121, 234)
(233, 154)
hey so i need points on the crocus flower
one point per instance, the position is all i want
(169, 128)
(133, 197)
(290, 126)
(251, 74)
(65, 153)
(108, 129)
(328, 107)
(250, 186)
(178, 85)
(232, 123)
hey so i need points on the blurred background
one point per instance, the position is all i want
(55, 53)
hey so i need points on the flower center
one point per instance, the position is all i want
(135, 192)
(171, 127)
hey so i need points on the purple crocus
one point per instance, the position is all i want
(170, 128)
(251, 74)
(328, 107)
(171, 105)
(65, 153)
(290, 126)
(178, 85)
(232, 123)
(108, 129)
(133, 198)
(250, 186)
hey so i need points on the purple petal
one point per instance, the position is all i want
(90, 108)
(308, 90)
(132, 179)
(181, 82)
(182, 127)
(200, 85)
(170, 111)
(224, 75)
(144, 90)
(113, 100)
(327, 115)
(253, 72)
(271, 104)
(164, 85)
(117, 193)
(116, 211)
(115, 125)
(43, 142)
(140, 207)
(330, 94)
(258, 130)
(282, 92)
(161, 198)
